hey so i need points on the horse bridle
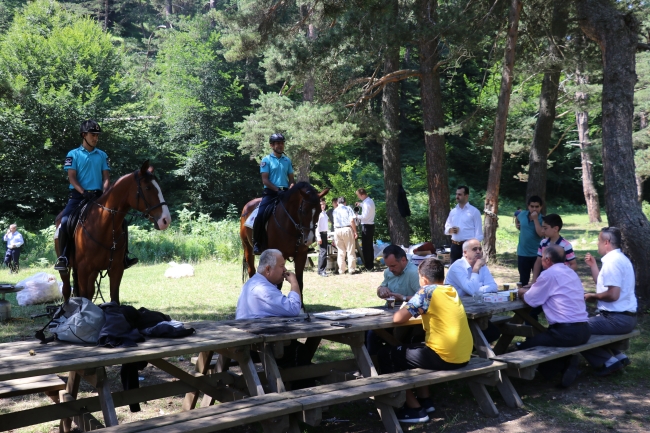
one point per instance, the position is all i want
(298, 225)
(147, 212)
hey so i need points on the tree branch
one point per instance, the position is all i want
(642, 46)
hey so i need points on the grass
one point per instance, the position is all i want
(212, 295)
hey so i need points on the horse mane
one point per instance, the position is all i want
(147, 175)
(313, 194)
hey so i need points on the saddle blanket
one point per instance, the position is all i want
(251, 219)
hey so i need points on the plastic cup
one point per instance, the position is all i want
(390, 302)
(478, 298)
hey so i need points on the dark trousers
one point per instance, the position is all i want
(12, 255)
(367, 245)
(456, 252)
(409, 356)
(525, 265)
(259, 234)
(74, 200)
(607, 324)
(558, 336)
(322, 253)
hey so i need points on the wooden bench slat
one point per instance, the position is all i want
(31, 385)
(501, 319)
(536, 355)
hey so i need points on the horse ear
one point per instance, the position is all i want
(150, 169)
(144, 168)
(323, 193)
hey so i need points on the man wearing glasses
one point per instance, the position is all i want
(616, 300)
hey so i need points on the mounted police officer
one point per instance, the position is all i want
(277, 176)
(88, 172)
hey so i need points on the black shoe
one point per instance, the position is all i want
(61, 264)
(412, 415)
(606, 371)
(257, 250)
(427, 404)
(625, 361)
(571, 372)
(128, 262)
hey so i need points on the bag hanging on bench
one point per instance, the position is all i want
(77, 321)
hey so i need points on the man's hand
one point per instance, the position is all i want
(319, 240)
(478, 265)
(355, 235)
(590, 297)
(291, 277)
(590, 260)
(383, 292)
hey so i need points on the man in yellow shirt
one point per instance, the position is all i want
(448, 342)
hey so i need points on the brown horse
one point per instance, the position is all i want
(100, 242)
(290, 229)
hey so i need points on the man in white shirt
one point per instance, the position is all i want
(463, 223)
(14, 241)
(470, 275)
(345, 235)
(321, 236)
(260, 296)
(616, 300)
(367, 220)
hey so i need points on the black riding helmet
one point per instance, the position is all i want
(276, 137)
(89, 126)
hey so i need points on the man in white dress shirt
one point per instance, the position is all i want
(14, 241)
(470, 275)
(463, 223)
(345, 235)
(321, 236)
(367, 220)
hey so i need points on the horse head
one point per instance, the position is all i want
(149, 198)
(309, 208)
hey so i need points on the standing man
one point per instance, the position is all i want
(330, 213)
(87, 169)
(345, 233)
(559, 292)
(321, 228)
(616, 300)
(463, 223)
(529, 224)
(14, 241)
(277, 175)
(367, 220)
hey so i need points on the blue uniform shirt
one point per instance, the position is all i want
(89, 167)
(278, 169)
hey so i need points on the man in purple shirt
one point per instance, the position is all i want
(559, 292)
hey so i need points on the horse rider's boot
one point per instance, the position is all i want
(128, 261)
(258, 235)
(62, 262)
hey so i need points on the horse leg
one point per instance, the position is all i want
(85, 281)
(299, 262)
(115, 276)
(249, 257)
(66, 289)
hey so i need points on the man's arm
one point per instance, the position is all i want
(267, 183)
(383, 292)
(72, 177)
(489, 285)
(402, 315)
(448, 224)
(591, 262)
(611, 295)
(464, 284)
(291, 180)
(106, 180)
(353, 224)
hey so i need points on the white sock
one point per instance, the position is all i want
(611, 361)
(621, 356)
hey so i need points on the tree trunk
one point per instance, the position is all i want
(398, 227)
(591, 195)
(616, 33)
(168, 8)
(106, 12)
(308, 92)
(547, 99)
(432, 118)
(496, 163)
(301, 164)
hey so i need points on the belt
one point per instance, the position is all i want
(627, 313)
(564, 325)
(457, 242)
(342, 227)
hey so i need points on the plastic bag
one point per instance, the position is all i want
(38, 289)
(78, 321)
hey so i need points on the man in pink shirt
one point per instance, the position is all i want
(559, 292)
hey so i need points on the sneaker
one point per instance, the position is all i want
(412, 415)
(606, 371)
(61, 264)
(427, 404)
(128, 262)
(571, 373)
(323, 274)
(625, 361)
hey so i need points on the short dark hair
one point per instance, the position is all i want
(433, 270)
(464, 188)
(535, 199)
(613, 235)
(362, 191)
(553, 220)
(335, 200)
(322, 200)
(556, 253)
(394, 250)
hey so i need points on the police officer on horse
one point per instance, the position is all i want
(88, 172)
(277, 176)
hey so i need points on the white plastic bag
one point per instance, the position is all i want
(38, 289)
(179, 271)
(79, 321)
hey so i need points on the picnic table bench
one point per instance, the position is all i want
(49, 384)
(523, 363)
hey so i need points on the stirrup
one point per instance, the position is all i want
(61, 264)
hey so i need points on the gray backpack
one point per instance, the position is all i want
(77, 321)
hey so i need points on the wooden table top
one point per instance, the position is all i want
(475, 311)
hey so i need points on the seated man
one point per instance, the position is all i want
(559, 292)
(401, 281)
(469, 275)
(448, 341)
(616, 300)
(260, 296)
